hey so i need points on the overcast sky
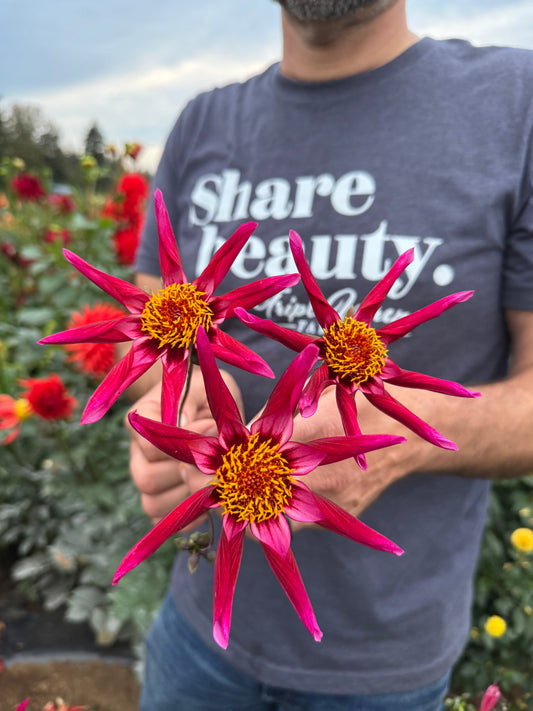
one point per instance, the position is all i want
(130, 65)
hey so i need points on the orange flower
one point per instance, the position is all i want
(94, 359)
(48, 397)
(12, 413)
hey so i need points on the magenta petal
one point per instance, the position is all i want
(169, 256)
(274, 533)
(336, 519)
(129, 295)
(335, 449)
(348, 412)
(395, 330)
(325, 314)
(276, 420)
(221, 403)
(115, 331)
(232, 527)
(288, 575)
(23, 705)
(137, 361)
(232, 351)
(387, 404)
(188, 511)
(490, 698)
(174, 441)
(376, 296)
(173, 381)
(301, 458)
(227, 564)
(223, 258)
(318, 382)
(291, 339)
(410, 379)
(252, 294)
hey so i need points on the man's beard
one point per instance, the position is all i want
(324, 9)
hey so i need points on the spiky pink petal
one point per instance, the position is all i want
(302, 459)
(375, 297)
(391, 407)
(137, 361)
(324, 312)
(174, 375)
(319, 381)
(252, 294)
(274, 533)
(286, 571)
(221, 403)
(308, 506)
(348, 412)
(395, 330)
(115, 331)
(276, 420)
(227, 564)
(232, 351)
(395, 375)
(176, 441)
(169, 256)
(129, 295)
(184, 514)
(232, 527)
(223, 258)
(291, 339)
(336, 449)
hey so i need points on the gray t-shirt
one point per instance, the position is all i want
(431, 151)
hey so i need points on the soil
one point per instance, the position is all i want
(96, 685)
(46, 658)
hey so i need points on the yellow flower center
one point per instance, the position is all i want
(254, 481)
(172, 316)
(354, 351)
(22, 409)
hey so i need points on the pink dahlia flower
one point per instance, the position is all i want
(163, 326)
(354, 355)
(255, 477)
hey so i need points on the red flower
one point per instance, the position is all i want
(256, 478)
(94, 359)
(163, 326)
(27, 187)
(48, 397)
(55, 233)
(62, 204)
(354, 355)
(134, 186)
(12, 413)
(126, 242)
(9, 250)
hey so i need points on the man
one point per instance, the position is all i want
(367, 140)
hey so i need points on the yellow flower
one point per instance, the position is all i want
(522, 540)
(495, 626)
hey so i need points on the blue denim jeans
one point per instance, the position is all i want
(182, 674)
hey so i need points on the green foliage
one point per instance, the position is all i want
(504, 587)
(67, 505)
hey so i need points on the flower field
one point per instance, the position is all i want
(68, 510)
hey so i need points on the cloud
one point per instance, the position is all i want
(139, 105)
(510, 24)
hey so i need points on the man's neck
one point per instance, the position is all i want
(324, 50)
